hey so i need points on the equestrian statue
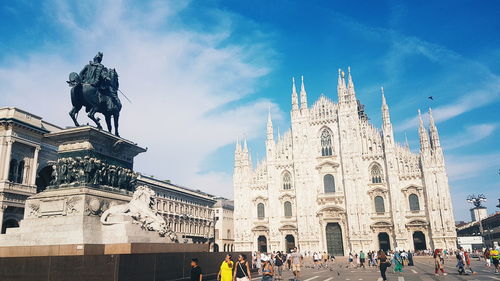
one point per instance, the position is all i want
(96, 89)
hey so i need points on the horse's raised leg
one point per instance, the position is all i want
(74, 111)
(108, 121)
(116, 116)
(91, 115)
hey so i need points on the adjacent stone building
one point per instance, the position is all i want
(224, 225)
(335, 182)
(24, 157)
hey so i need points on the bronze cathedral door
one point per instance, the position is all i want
(334, 241)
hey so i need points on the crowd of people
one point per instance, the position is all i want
(272, 265)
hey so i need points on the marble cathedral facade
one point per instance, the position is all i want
(334, 182)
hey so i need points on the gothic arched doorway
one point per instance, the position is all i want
(262, 244)
(419, 240)
(383, 241)
(289, 243)
(216, 248)
(334, 242)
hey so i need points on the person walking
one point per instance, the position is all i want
(289, 260)
(242, 272)
(410, 259)
(196, 273)
(398, 262)
(362, 258)
(438, 262)
(467, 263)
(351, 260)
(325, 259)
(226, 269)
(278, 263)
(382, 263)
(267, 269)
(487, 258)
(494, 255)
(258, 261)
(296, 258)
(460, 261)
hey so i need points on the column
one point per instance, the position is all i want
(7, 158)
(34, 167)
(2, 209)
(2, 146)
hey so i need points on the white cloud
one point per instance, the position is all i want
(178, 79)
(470, 101)
(472, 134)
(460, 167)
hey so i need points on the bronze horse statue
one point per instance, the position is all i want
(96, 100)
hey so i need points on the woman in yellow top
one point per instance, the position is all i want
(226, 270)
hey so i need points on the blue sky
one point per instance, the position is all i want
(202, 73)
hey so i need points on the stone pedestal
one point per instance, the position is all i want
(89, 179)
(72, 216)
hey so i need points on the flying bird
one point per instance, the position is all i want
(431, 98)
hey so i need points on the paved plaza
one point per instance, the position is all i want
(422, 271)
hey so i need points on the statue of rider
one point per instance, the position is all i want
(94, 73)
(97, 75)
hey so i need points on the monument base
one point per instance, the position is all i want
(99, 249)
(71, 216)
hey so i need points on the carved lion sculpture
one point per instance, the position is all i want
(142, 209)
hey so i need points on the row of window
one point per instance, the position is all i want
(287, 208)
(16, 171)
(329, 180)
(174, 207)
(378, 201)
(413, 201)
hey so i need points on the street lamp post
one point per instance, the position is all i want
(476, 201)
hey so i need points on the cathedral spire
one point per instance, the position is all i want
(238, 146)
(406, 141)
(385, 110)
(270, 131)
(303, 95)
(434, 135)
(422, 132)
(350, 85)
(341, 88)
(245, 146)
(295, 97)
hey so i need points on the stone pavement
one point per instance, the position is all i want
(422, 271)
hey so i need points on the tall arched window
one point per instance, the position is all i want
(20, 172)
(376, 173)
(414, 204)
(287, 181)
(326, 143)
(379, 204)
(329, 183)
(260, 211)
(12, 170)
(288, 209)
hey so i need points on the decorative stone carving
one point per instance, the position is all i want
(71, 204)
(94, 206)
(33, 209)
(91, 171)
(142, 210)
